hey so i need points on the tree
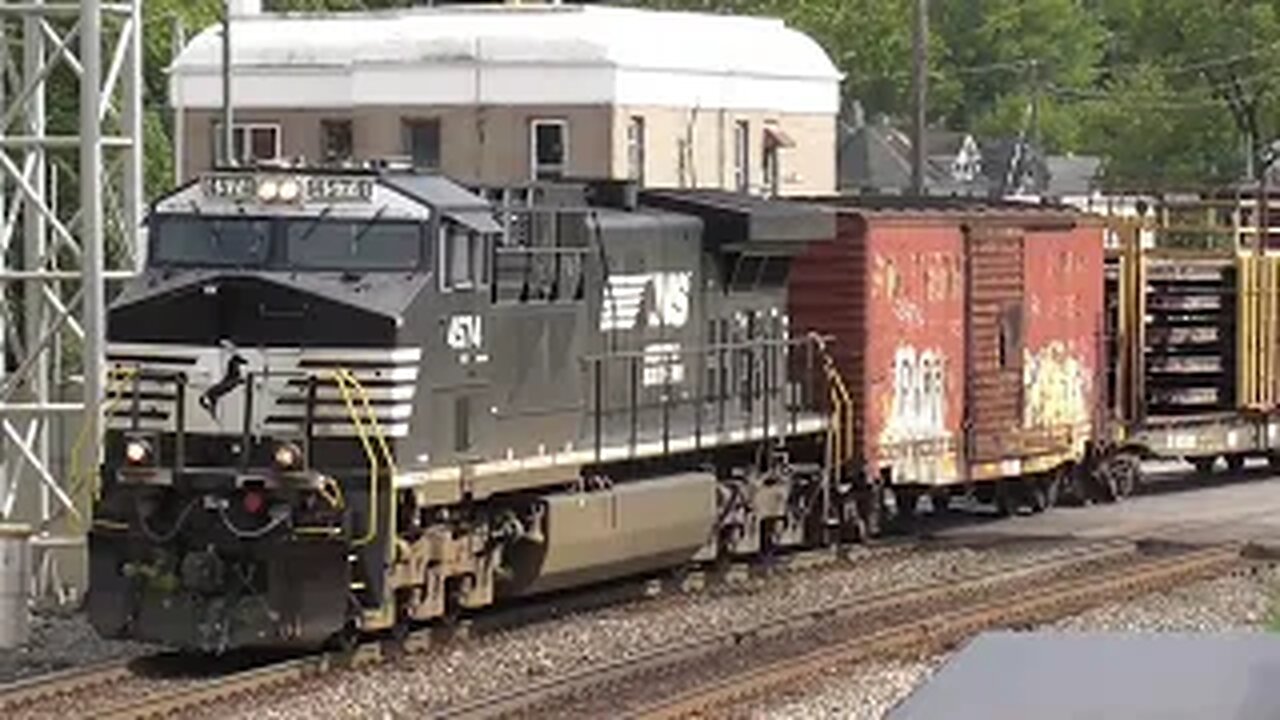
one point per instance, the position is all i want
(1149, 139)
(1009, 55)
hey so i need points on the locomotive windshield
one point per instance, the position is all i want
(214, 241)
(343, 245)
(305, 243)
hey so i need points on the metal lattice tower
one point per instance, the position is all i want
(70, 119)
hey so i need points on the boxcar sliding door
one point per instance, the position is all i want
(994, 287)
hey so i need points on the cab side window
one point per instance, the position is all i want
(463, 257)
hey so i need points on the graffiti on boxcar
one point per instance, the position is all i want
(915, 440)
(924, 279)
(1056, 386)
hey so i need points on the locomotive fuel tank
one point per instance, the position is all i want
(617, 531)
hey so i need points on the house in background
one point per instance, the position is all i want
(875, 158)
(508, 93)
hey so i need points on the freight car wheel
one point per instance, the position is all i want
(1037, 490)
(1126, 473)
(1204, 465)
(869, 508)
(1052, 487)
(940, 502)
(1006, 498)
(1235, 464)
(906, 504)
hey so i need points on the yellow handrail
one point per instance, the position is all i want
(116, 378)
(840, 434)
(342, 377)
(373, 420)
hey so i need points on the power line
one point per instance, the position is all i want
(1028, 62)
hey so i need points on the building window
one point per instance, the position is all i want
(336, 140)
(742, 156)
(251, 142)
(422, 142)
(548, 149)
(775, 139)
(464, 255)
(769, 167)
(635, 149)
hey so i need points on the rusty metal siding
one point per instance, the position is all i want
(915, 349)
(996, 324)
(827, 295)
(1064, 378)
(972, 339)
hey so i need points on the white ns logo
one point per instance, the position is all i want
(465, 332)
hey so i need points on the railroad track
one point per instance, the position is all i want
(167, 685)
(699, 676)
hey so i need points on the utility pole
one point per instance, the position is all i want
(228, 130)
(919, 91)
(1263, 215)
(179, 41)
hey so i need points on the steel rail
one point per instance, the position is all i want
(24, 695)
(880, 609)
(1031, 605)
(28, 691)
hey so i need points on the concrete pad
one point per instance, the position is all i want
(1104, 676)
(1243, 511)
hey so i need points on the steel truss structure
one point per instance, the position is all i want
(59, 249)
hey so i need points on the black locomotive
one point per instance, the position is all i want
(343, 401)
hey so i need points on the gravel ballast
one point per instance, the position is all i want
(466, 671)
(59, 642)
(867, 692)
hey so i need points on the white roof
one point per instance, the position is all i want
(484, 54)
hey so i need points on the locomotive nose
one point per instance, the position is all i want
(265, 309)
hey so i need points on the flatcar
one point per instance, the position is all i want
(345, 401)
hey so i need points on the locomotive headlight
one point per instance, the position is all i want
(290, 190)
(287, 456)
(268, 190)
(137, 451)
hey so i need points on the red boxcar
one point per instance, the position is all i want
(970, 336)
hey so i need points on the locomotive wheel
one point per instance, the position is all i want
(1204, 465)
(345, 641)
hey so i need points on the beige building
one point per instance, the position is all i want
(499, 94)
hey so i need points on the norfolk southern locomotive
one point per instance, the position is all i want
(345, 401)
